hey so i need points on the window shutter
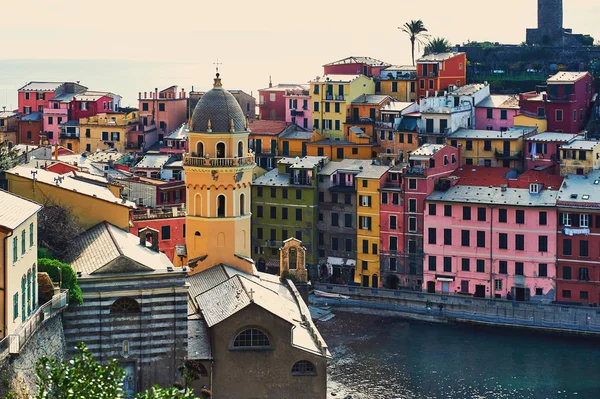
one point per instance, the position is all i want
(560, 219)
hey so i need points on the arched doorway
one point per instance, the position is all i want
(200, 149)
(374, 281)
(221, 206)
(242, 204)
(240, 150)
(220, 150)
(392, 282)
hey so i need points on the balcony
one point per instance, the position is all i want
(159, 213)
(359, 121)
(394, 184)
(416, 171)
(565, 98)
(65, 135)
(296, 113)
(332, 97)
(202, 162)
(507, 155)
(301, 181)
(429, 75)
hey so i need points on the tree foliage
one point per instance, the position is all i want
(55, 268)
(8, 157)
(415, 30)
(57, 228)
(437, 45)
(168, 393)
(80, 378)
(595, 68)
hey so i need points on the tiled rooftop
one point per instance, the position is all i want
(15, 210)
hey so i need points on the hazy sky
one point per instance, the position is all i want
(289, 40)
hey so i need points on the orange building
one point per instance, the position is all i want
(436, 72)
(364, 112)
(358, 146)
(263, 138)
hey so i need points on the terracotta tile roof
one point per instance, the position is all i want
(496, 177)
(267, 128)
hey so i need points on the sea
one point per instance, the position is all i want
(389, 358)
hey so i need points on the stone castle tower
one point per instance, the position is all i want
(550, 29)
(218, 174)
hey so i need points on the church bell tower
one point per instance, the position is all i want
(218, 175)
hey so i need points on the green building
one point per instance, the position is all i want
(284, 205)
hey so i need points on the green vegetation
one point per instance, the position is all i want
(85, 378)
(437, 45)
(57, 228)
(415, 30)
(8, 157)
(483, 45)
(65, 275)
(586, 40)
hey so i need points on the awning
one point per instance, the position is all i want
(334, 261)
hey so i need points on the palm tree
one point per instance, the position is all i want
(437, 45)
(415, 30)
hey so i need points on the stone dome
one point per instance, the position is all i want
(219, 107)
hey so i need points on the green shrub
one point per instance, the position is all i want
(69, 279)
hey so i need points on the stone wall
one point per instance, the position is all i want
(18, 372)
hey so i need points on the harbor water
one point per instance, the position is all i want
(385, 357)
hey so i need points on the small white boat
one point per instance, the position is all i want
(330, 295)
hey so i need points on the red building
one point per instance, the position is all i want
(578, 274)
(436, 72)
(90, 103)
(403, 196)
(565, 103)
(35, 96)
(29, 128)
(355, 66)
(272, 100)
(171, 228)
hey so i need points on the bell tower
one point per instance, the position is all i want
(218, 175)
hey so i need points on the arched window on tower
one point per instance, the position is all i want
(240, 153)
(220, 150)
(221, 206)
(242, 204)
(200, 149)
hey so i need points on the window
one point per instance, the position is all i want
(365, 183)
(125, 305)
(466, 213)
(393, 222)
(259, 211)
(543, 244)
(298, 194)
(583, 295)
(480, 266)
(15, 249)
(559, 115)
(490, 113)
(412, 246)
(412, 205)
(432, 263)
(566, 272)
(284, 193)
(251, 338)
(347, 199)
(584, 274)
(469, 145)
(503, 114)
(432, 209)
(503, 241)
(503, 267)
(520, 216)
(543, 270)
(543, 219)
(50, 120)
(393, 262)
(303, 367)
(498, 285)
(374, 249)
(165, 232)
(365, 200)
(502, 216)
(15, 305)
(365, 265)
(412, 184)
(432, 233)
(447, 210)
(393, 243)
(395, 198)
(412, 224)
(447, 264)
(348, 245)
(519, 268)
(104, 136)
(447, 237)
(365, 222)
(520, 242)
(566, 294)
(481, 239)
(259, 232)
(566, 219)
(23, 242)
(335, 220)
(365, 246)
(334, 244)
(466, 265)
(465, 238)
(584, 220)
(567, 247)
(583, 248)
(273, 212)
(299, 215)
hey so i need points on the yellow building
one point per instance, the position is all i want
(398, 81)
(368, 182)
(293, 141)
(332, 96)
(218, 175)
(358, 146)
(526, 119)
(104, 131)
(492, 148)
(92, 203)
(579, 157)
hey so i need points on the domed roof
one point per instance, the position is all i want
(219, 107)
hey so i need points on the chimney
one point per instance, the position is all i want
(56, 152)
(270, 82)
(145, 94)
(140, 95)
(156, 93)
(148, 234)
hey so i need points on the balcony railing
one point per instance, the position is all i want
(296, 113)
(384, 125)
(566, 98)
(429, 75)
(301, 181)
(359, 120)
(64, 135)
(507, 154)
(218, 162)
(416, 171)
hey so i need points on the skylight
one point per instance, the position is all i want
(585, 197)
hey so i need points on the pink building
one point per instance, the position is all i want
(35, 96)
(543, 150)
(298, 109)
(494, 240)
(355, 66)
(496, 112)
(272, 101)
(402, 207)
(161, 112)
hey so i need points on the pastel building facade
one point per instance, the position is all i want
(355, 66)
(160, 112)
(543, 149)
(437, 72)
(272, 101)
(298, 108)
(579, 157)
(398, 81)
(491, 242)
(496, 112)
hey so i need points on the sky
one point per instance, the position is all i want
(289, 41)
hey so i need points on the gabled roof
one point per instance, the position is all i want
(358, 60)
(286, 87)
(370, 99)
(97, 251)
(586, 145)
(514, 133)
(567, 77)
(499, 101)
(580, 191)
(41, 86)
(549, 137)
(15, 210)
(7, 114)
(34, 116)
(337, 78)
(495, 196)
(153, 161)
(266, 128)
(426, 150)
(295, 132)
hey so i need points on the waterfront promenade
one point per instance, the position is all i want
(578, 320)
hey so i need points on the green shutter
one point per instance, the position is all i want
(15, 305)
